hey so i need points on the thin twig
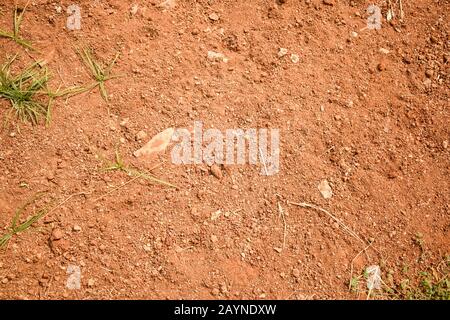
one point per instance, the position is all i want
(264, 161)
(401, 10)
(48, 286)
(67, 199)
(281, 211)
(312, 206)
(118, 187)
(351, 264)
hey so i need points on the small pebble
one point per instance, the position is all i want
(141, 135)
(57, 234)
(216, 172)
(329, 2)
(214, 16)
(215, 292)
(381, 66)
(325, 189)
(91, 283)
(216, 56)
(134, 9)
(282, 52)
(223, 288)
(124, 122)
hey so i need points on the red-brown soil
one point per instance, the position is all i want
(375, 124)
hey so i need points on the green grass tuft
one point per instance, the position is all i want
(119, 165)
(433, 284)
(15, 35)
(99, 72)
(28, 91)
(24, 91)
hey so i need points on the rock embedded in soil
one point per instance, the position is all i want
(216, 57)
(224, 288)
(427, 83)
(214, 17)
(215, 292)
(91, 283)
(167, 5)
(282, 52)
(59, 246)
(325, 189)
(406, 59)
(156, 145)
(57, 234)
(295, 58)
(381, 66)
(141, 135)
(124, 122)
(216, 171)
(134, 9)
(215, 215)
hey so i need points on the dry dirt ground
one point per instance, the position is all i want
(366, 110)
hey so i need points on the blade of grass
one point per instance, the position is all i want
(15, 228)
(119, 165)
